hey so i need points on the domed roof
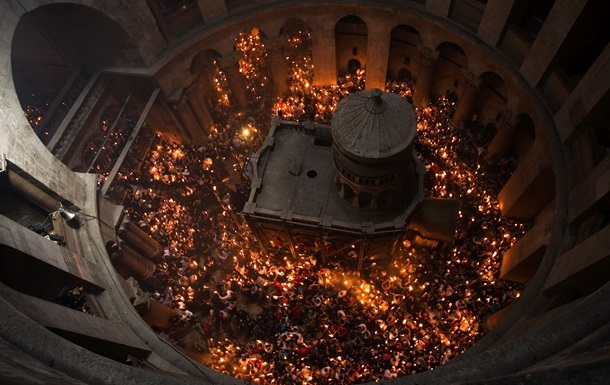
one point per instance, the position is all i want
(374, 124)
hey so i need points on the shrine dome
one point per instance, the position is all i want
(373, 124)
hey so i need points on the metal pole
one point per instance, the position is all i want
(109, 132)
(130, 141)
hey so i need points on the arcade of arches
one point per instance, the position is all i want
(125, 163)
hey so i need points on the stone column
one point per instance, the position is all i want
(199, 108)
(555, 30)
(160, 19)
(356, 199)
(425, 77)
(438, 7)
(503, 139)
(205, 84)
(520, 262)
(378, 53)
(237, 82)
(189, 122)
(495, 17)
(278, 65)
(174, 131)
(324, 55)
(584, 267)
(593, 193)
(211, 9)
(140, 267)
(374, 204)
(590, 91)
(468, 99)
(160, 316)
(34, 194)
(142, 242)
(531, 186)
(73, 325)
(60, 262)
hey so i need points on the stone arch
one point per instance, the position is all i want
(403, 51)
(351, 37)
(253, 31)
(353, 65)
(202, 60)
(292, 23)
(451, 61)
(493, 97)
(404, 75)
(55, 50)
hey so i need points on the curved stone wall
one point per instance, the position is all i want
(570, 220)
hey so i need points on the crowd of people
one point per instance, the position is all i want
(268, 318)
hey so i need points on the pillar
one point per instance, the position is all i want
(211, 9)
(206, 85)
(438, 7)
(356, 199)
(468, 99)
(160, 19)
(530, 188)
(495, 18)
(31, 192)
(495, 318)
(188, 121)
(342, 190)
(584, 267)
(237, 82)
(278, 65)
(520, 262)
(555, 30)
(97, 334)
(160, 316)
(503, 139)
(373, 204)
(425, 76)
(139, 266)
(591, 90)
(324, 55)
(378, 52)
(175, 131)
(142, 242)
(593, 193)
(196, 103)
(436, 219)
(48, 262)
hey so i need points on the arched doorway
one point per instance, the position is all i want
(351, 36)
(403, 52)
(353, 65)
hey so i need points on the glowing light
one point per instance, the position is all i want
(420, 309)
